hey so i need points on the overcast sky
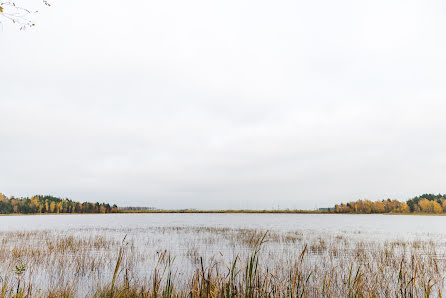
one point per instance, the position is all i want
(225, 104)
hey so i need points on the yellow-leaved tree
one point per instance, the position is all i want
(436, 207)
(425, 205)
(3, 198)
(52, 207)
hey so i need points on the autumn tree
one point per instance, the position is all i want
(443, 205)
(378, 207)
(436, 207)
(428, 203)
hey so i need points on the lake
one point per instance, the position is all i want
(370, 225)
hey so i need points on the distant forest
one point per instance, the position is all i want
(50, 204)
(427, 203)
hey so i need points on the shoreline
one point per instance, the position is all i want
(226, 212)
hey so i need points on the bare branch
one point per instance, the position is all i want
(21, 16)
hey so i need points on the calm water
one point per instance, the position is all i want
(374, 226)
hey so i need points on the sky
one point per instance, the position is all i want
(224, 104)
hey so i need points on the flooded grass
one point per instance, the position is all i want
(215, 262)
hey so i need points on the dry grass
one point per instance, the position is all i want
(215, 262)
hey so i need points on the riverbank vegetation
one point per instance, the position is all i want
(49, 204)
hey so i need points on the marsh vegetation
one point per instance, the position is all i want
(180, 261)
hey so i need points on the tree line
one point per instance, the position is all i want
(426, 203)
(50, 204)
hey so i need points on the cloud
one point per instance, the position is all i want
(239, 104)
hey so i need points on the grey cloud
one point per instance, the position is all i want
(235, 104)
